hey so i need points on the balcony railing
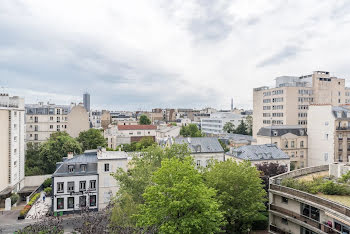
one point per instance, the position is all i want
(343, 128)
(277, 230)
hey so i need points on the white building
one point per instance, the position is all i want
(216, 122)
(12, 143)
(108, 162)
(95, 119)
(167, 131)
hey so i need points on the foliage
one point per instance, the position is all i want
(91, 139)
(241, 128)
(223, 145)
(173, 124)
(191, 130)
(122, 212)
(47, 226)
(262, 221)
(344, 178)
(240, 190)
(179, 202)
(47, 182)
(268, 170)
(55, 148)
(144, 143)
(249, 124)
(25, 210)
(14, 198)
(229, 127)
(48, 191)
(33, 162)
(144, 120)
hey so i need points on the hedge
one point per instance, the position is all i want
(25, 210)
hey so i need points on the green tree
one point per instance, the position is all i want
(240, 190)
(223, 145)
(178, 201)
(91, 139)
(229, 127)
(241, 128)
(33, 163)
(190, 130)
(144, 120)
(123, 210)
(55, 148)
(249, 124)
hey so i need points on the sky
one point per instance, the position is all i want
(139, 55)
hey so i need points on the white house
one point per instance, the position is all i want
(216, 122)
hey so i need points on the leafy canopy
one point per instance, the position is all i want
(91, 139)
(178, 201)
(240, 190)
(229, 127)
(190, 130)
(144, 120)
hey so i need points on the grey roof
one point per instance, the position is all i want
(89, 159)
(342, 110)
(281, 130)
(201, 144)
(258, 152)
(237, 137)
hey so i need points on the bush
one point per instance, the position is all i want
(47, 183)
(25, 210)
(262, 222)
(345, 178)
(14, 198)
(48, 191)
(331, 188)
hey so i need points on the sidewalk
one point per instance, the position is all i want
(39, 209)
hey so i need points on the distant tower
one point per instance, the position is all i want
(231, 104)
(86, 101)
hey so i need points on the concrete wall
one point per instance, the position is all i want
(4, 149)
(35, 180)
(78, 121)
(204, 158)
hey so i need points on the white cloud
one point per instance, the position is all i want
(144, 54)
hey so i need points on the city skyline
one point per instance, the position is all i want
(204, 50)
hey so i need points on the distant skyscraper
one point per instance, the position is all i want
(231, 104)
(86, 100)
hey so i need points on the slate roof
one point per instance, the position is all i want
(237, 137)
(137, 127)
(282, 130)
(341, 109)
(201, 144)
(89, 159)
(258, 152)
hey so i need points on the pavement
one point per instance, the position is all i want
(39, 209)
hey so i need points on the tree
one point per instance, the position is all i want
(241, 128)
(33, 163)
(249, 124)
(144, 120)
(190, 130)
(178, 201)
(268, 170)
(223, 145)
(91, 139)
(240, 191)
(55, 148)
(229, 127)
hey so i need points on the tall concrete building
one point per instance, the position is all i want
(86, 101)
(287, 103)
(12, 133)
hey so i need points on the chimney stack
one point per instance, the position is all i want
(70, 155)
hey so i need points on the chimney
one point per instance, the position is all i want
(70, 155)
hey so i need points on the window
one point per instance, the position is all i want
(15, 126)
(106, 166)
(70, 202)
(198, 163)
(82, 185)
(60, 187)
(51, 126)
(93, 200)
(36, 119)
(326, 157)
(58, 111)
(70, 186)
(60, 203)
(138, 133)
(36, 128)
(36, 137)
(301, 144)
(51, 118)
(15, 163)
(284, 200)
(326, 137)
(83, 167)
(292, 144)
(92, 184)
(286, 144)
(70, 168)
(82, 201)
(310, 211)
(301, 154)
(284, 221)
(58, 119)
(15, 113)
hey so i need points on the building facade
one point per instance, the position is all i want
(77, 121)
(293, 140)
(86, 101)
(287, 103)
(215, 124)
(95, 119)
(12, 144)
(295, 211)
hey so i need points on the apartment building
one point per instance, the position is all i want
(95, 119)
(44, 119)
(292, 140)
(215, 123)
(287, 103)
(165, 132)
(12, 143)
(329, 134)
(295, 211)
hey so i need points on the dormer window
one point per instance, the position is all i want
(70, 168)
(339, 114)
(83, 167)
(275, 133)
(302, 132)
(348, 114)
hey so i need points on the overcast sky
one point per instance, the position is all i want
(142, 54)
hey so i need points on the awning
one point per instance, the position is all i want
(6, 191)
(27, 189)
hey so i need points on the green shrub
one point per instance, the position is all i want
(331, 188)
(14, 198)
(48, 191)
(47, 183)
(344, 178)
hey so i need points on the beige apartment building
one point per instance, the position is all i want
(329, 134)
(287, 103)
(44, 119)
(12, 132)
(292, 140)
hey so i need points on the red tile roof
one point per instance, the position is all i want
(137, 127)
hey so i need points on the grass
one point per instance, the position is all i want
(345, 200)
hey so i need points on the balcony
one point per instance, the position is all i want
(275, 229)
(344, 128)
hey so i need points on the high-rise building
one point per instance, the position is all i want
(86, 101)
(287, 103)
(231, 104)
(12, 132)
